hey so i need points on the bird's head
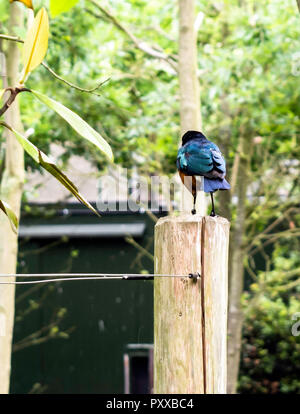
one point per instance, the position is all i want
(189, 135)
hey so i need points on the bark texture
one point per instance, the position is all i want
(10, 191)
(190, 113)
(190, 103)
(236, 263)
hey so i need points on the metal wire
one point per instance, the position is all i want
(100, 275)
(59, 277)
(28, 282)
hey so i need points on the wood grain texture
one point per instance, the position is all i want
(215, 243)
(184, 362)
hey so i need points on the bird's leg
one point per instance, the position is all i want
(212, 214)
(194, 204)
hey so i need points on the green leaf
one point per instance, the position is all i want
(28, 3)
(10, 214)
(36, 43)
(77, 123)
(58, 6)
(50, 166)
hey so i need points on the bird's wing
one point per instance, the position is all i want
(194, 159)
(218, 161)
(181, 161)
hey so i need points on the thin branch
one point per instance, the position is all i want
(151, 215)
(72, 85)
(18, 347)
(13, 94)
(235, 167)
(290, 285)
(131, 241)
(161, 32)
(12, 38)
(266, 232)
(277, 221)
(287, 233)
(36, 334)
(138, 259)
(37, 341)
(28, 292)
(285, 287)
(251, 272)
(291, 273)
(141, 45)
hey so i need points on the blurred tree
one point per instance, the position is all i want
(12, 179)
(248, 101)
(189, 88)
(12, 174)
(250, 107)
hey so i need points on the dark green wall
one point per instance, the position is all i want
(105, 315)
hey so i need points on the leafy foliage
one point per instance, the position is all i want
(57, 7)
(270, 354)
(248, 89)
(80, 126)
(270, 358)
(50, 166)
(34, 50)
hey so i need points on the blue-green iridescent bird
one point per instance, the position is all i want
(200, 157)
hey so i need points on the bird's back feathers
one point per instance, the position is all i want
(200, 156)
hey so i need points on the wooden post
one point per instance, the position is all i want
(190, 317)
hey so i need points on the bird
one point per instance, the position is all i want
(200, 157)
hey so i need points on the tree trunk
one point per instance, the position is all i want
(236, 266)
(224, 197)
(190, 113)
(190, 104)
(11, 191)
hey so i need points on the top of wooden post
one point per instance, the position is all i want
(190, 316)
(192, 218)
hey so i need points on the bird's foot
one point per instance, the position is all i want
(194, 211)
(212, 214)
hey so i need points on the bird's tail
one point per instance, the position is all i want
(211, 185)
